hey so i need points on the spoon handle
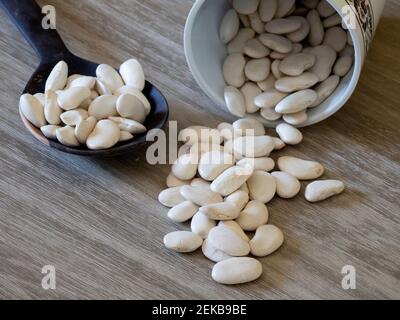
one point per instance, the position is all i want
(28, 17)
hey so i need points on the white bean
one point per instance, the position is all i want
(322, 190)
(229, 26)
(301, 169)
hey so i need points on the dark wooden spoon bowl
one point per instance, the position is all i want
(26, 14)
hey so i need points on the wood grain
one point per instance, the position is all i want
(99, 223)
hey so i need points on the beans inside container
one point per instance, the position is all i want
(284, 57)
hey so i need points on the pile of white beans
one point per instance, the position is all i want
(96, 111)
(284, 57)
(222, 181)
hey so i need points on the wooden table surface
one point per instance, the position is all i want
(99, 223)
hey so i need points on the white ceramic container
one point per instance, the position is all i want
(205, 52)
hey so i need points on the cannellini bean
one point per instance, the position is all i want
(301, 169)
(287, 186)
(237, 271)
(250, 91)
(332, 21)
(226, 130)
(348, 51)
(229, 26)
(128, 125)
(289, 134)
(239, 199)
(276, 42)
(300, 34)
(296, 64)
(201, 148)
(235, 101)
(196, 134)
(258, 70)
(296, 119)
(245, 6)
(235, 227)
(343, 66)
(262, 186)
(279, 144)
(254, 147)
(275, 69)
(336, 38)
(278, 56)
(214, 163)
(282, 26)
(129, 106)
(255, 49)
(233, 70)
(322, 190)
(125, 136)
(270, 114)
(201, 196)
(231, 180)
(199, 182)
(212, 253)
(326, 58)
(202, 225)
(263, 164)
(66, 136)
(297, 102)
(40, 97)
(73, 97)
(300, 11)
(244, 188)
(109, 76)
(292, 84)
(57, 79)
(105, 135)
(52, 111)
(317, 31)
(227, 240)
(171, 197)
(248, 127)
(74, 117)
(102, 88)
(183, 241)
(221, 211)
(83, 81)
(49, 131)
(103, 107)
(267, 9)
(185, 167)
(267, 84)
(33, 110)
(173, 181)
(183, 212)
(238, 44)
(269, 99)
(244, 19)
(253, 216)
(284, 8)
(84, 128)
(135, 92)
(325, 89)
(255, 22)
(325, 9)
(310, 4)
(132, 74)
(266, 241)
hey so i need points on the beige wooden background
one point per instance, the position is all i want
(99, 223)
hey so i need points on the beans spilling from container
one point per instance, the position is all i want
(284, 58)
(222, 182)
(97, 112)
